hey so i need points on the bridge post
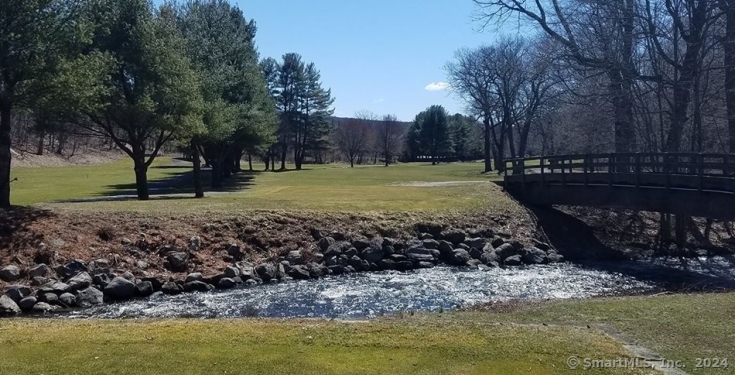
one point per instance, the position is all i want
(667, 170)
(586, 166)
(563, 174)
(700, 171)
(542, 163)
(610, 169)
(637, 169)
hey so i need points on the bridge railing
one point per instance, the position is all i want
(676, 170)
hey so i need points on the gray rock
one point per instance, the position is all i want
(10, 273)
(541, 245)
(420, 254)
(126, 241)
(454, 236)
(51, 298)
(318, 257)
(43, 307)
(171, 288)
(336, 269)
(74, 267)
(26, 304)
(333, 250)
(101, 280)
(351, 252)
(56, 287)
(197, 286)
(39, 280)
(177, 261)
(99, 266)
(40, 270)
(554, 257)
(374, 252)
(231, 272)
(226, 283)
(195, 276)
(425, 265)
(425, 236)
(534, 256)
(8, 307)
(446, 248)
(404, 265)
(316, 234)
(489, 257)
(143, 265)
(324, 243)
(475, 263)
(247, 272)
(356, 263)
(299, 273)
(67, 300)
(236, 252)
(81, 281)
(120, 289)
(477, 243)
(461, 257)
(387, 264)
(497, 242)
(365, 265)
(505, 250)
(475, 253)
(144, 289)
(18, 292)
(514, 260)
(129, 276)
(266, 272)
(463, 246)
(156, 281)
(295, 257)
(89, 297)
(360, 243)
(430, 244)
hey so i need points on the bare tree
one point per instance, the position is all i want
(351, 137)
(389, 136)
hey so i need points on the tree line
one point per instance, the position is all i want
(602, 76)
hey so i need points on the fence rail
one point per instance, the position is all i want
(698, 171)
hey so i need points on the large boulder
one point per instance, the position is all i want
(231, 272)
(177, 261)
(50, 298)
(72, 268)
(299, 272)
(120, 289)
(534, 256)
(226, 283)
(514, 260)
(489, 257)
(156, 281)
(18, 292)
(373, 253)
(81, 281)
(420, 254)
(324, 243)
(505, 250)
(144, 289)
(446, 249)
(26, 304)
(387, 264)
(454, 236)
(89, 297)
(43, 307)
(266, 272)
(295, 257)
(477, 243)
(40, 270)
(356, 263)
(235, 251)
(171, 288)
(197, 286)
(334, 249)
(554, 257)
(497, 241)
(8, 307)
(10, 273)
(67, 300)
(461, 257)
(56, 287)
(430, 244)
(194, 276)
(475, 253)
(99, 266)
(360, 243)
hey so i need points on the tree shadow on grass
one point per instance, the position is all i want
(14, 228)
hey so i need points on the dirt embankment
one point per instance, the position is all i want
(29, 236)
(89, 157)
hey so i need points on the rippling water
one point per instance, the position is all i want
(371, 294)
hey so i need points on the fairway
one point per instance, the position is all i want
(452, 187)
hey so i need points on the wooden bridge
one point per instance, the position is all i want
(678, 183)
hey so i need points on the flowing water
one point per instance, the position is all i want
(372, 294)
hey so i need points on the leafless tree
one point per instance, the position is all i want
(351, 137)
(389, 136)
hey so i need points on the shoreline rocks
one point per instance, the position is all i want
(80, 284)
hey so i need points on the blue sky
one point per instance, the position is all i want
(384, 56)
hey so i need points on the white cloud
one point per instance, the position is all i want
(379, 100)
(437, 86)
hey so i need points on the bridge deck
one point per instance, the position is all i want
(692, 184)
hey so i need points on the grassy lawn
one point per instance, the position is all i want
(679, 327)
(292, 347)
(318, 187)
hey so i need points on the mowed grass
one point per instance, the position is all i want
(319, 187)
(679, 327)
(272, 347)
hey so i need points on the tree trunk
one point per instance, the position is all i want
(728, 6)
(283, 156)
(216, 174)
(620, 88)
(141, 177)
(228, 163)
(250, 162)
(5, 155)
(198, 189)
(41, 142)
(487, 146)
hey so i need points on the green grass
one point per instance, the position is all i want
(318, 187)
(292, 347)
(679, 327)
